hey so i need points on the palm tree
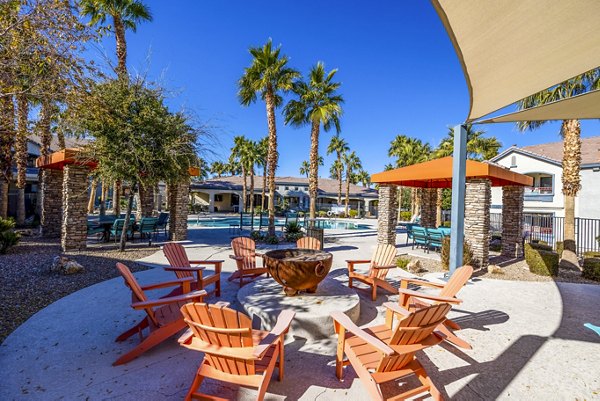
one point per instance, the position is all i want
(305, 166)
(408, 151)
(268, 75)
(251, 156)
(263, 152)
(125, 14)
(218, 168)
(338, 146)
(570, 132)
(352, 163)
(364, 178)
(238, 156)
(318, 103)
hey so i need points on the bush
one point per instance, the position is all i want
(598, 239)
(257, 236)
(402, 263)
(560, 247)
(8, 237)
(353, 214)
(540, 260)
(591, 265)
(445, 253)
(446, 224)
(293, 227)
(272, 239)
(541, 246)
(342, 215)
(405, 216)
(322, 213)
(293, 237)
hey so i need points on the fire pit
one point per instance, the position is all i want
(298, 269)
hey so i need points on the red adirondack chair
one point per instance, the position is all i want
(233, 352)
(182, 266)
(245, 254)
(379, 266)
(163, 317)
(309, 243)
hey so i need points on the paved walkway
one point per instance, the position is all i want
(528, 343)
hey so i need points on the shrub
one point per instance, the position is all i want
(8, 237)
(541, 261)
(446, 224)
(541, 246)
(598, 239)
(293, 237)
(402, 263)
(342, 215)
(272, 239)
(322, 213)
(257, 236)
(293, 227)
(591, 265)
(560, 246)
(353, 213)
(445, 253)
(495, 247)
(405, 216)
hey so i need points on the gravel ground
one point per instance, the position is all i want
(28, 285)
(516, 270)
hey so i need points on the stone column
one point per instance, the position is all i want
(146, 202)
(512, 221)
(74, 200)
(428, 207)
(386, 215)
(178, 210)
(478, 200)
(51, 188)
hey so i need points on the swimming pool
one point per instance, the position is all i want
(228, 221)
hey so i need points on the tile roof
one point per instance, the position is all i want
(590, 150)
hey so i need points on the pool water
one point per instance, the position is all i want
(228, 221)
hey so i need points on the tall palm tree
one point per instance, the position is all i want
(318, 103)
(268, 76)
(21, 154)
(352, 163)
(125, 14)
(364, 178)
(338, 146)
(305, 166)
(263, 152)
(218, 168)
(239, 155)
(409, 151)
(250, 158)
(570, 132)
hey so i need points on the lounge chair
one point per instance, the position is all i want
(117, 228)
(245, 254)
(382, 261)
(161, 223)
(434, 238)
(94, 229)
(409, 231)
(413, 300)
(309, 243)
(147, 227)
(163, 317)
(233, 352)
(420, 238)
(387, 352)
(182, 267)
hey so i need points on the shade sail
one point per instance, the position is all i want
(438, 174)
(511, 49)
(585, 106)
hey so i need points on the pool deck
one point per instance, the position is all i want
(528, 342)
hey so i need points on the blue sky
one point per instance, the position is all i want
(399, 72)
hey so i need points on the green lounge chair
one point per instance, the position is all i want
(161, 223)
(434, 238)
(445, 231)
(147, 227)
(94, 229)
(420, 237)
(409, 232)
(117, 228)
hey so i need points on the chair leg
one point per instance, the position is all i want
(373, 291)
(218, 287)
(281, 359)
(154, 338)
(134, 330)
(350, 282)
(198, 378)
(262, 389)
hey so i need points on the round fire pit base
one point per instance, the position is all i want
(264, 299)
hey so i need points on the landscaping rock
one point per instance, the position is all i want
(494, 269)
(64, 265)
(414, 266)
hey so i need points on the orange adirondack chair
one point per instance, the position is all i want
(413, 300)
(163, 318)
(233, 352)
(382, 262)
(309, 243)
(245, 254)
(386, 352)
(182, 266)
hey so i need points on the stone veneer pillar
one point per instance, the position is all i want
(146, 202)
(51, 216)
(74, 200)
(478, 200)
(512, 221)
(428, 207)
(387, 214)
(178, 210)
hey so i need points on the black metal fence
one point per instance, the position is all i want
(550, 229)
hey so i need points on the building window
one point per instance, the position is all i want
(218, 198)
(513, 161)
(287, 188)
(296, 188)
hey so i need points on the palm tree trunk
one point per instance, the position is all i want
(264, 188)
(398, 217)
(313, 180)
(123, 241)
(571, 184)
(271, 156)
(348, 175)
(3, 198)
(7, 139)
(339, 157)
(21, 155)
(438, 207)
(121, 46)
(92, 200)
(117, 198)
(46, 139)
(244, 191)
(252, 191)
(103, 198)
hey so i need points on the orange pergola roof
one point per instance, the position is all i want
(438, 174)
(58, 160)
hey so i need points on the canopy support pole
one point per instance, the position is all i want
(459, 169)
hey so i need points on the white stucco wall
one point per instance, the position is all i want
(588, 201)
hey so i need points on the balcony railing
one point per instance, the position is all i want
(539, 191)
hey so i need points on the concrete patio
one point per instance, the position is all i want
(528, 342)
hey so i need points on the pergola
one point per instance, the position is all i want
(480, 178)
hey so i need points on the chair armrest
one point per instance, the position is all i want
(166, 284)
(343, 320)
(420, 282)
(185, 337)
(236, 257)
(385, 267)
(416, 294)
(184, 269)
(396, 308)
(206, 262)
(284, 320)
(356, 262)
(190, 296)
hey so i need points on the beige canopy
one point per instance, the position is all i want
(511, 49)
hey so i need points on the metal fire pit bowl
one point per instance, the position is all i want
(298, 269)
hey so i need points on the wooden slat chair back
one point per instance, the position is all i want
(137, 293)
(309, 243)
(245, 248)
(385, 255)
(182, 267)
(175, 254)
(457, 281)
